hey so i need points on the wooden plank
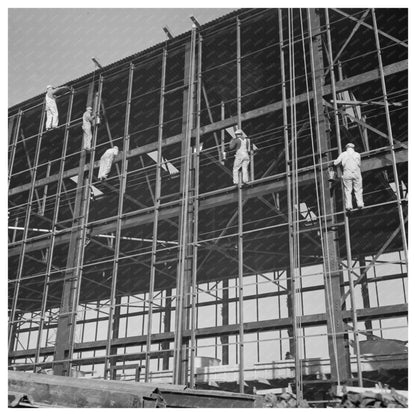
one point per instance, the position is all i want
(79, 392)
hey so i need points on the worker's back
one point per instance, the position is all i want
(240, 144)
(50, 98)
(351, 162)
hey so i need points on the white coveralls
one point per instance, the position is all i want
(106, 161)
(86, 128)
(51, 111)
(242, 159)
(351, 177)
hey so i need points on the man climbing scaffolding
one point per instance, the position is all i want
(350, 161)
(51, 108)
(242, 159)
(106, 162)
(87, 120)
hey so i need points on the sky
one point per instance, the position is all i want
(54, 46)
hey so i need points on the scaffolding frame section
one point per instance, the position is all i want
(190, 140)
(157, 197)
(122, 190)
(49, 261)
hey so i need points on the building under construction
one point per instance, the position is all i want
(166, 272)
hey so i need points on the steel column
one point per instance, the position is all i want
(122, 189)
(185, 229)
(115, 335)
(65, 321)
(45, 190)
(346, 219)
(53, 234)
(166, 328)
(156, 213)
(291, 271)
(337, 343)
(196, 155)
(240, 228)
(365, 295)
(222, 134)
(225, 321)
(73, 272)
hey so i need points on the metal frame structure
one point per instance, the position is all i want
(89, 258)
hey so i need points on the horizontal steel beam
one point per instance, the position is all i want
(219, 301)
(343, 85)
(224, 196)
(249, 327)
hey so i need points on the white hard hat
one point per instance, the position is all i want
(115, 147)
(89, 108)
(239, 131)
(349, 145)
(48, 86)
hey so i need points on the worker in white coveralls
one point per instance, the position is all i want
(350, 161)
(242, 159)
(51, 107)
(106, 161)
(87, 119)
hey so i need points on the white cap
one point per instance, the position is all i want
(48, 86)
(349, 145)
(238, 131)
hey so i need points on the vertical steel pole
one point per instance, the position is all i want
(293, 220)
(195, 214)
(85, 216)
(251, 161)
(222, 133)
(156, 213)
(11, 123)
(240, 225)
(45, 189)
(240, 288)
(14, 145)
(337, 342)
(238, 73)
(390, 135)
(365, 296)
(26, 227)
(225, 321)
(53, 228)
(179, 375)
(346, 219)
(166, 327)
(122, 189)
(16, 224)
(73, 274)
